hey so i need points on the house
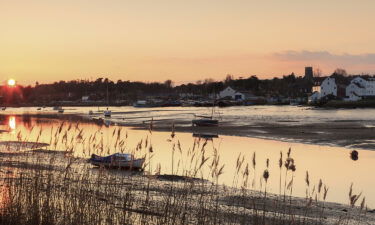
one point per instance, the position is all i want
(323, 87)
(237, 95)
(360, 88)
(229, 92)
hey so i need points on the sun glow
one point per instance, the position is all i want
(11, 82)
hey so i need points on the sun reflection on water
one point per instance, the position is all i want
(12, 123)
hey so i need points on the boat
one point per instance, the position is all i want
(91, 112)
(3, 108)
(117, 160)
(107, 113)
(39, 109)
(144, 104)
(205, 122)
(61, 110)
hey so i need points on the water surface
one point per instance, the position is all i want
(331, 164)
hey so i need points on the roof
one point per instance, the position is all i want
(318, 80)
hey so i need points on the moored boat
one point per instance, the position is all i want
(205, 122)
(117, 160)
(107, 113)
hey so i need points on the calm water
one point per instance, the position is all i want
(233, 115)
(331, 164)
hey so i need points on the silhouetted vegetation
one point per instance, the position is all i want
(125, 92)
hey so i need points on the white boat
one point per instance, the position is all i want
(118, 160)
(107, 113)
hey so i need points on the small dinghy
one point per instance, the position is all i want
(118, 160)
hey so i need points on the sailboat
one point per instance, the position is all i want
(206, 121)
(107, 113)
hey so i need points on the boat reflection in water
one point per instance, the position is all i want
(206, 136)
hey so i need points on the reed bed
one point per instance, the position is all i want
(56, 185)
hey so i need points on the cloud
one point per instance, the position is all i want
(326, 57)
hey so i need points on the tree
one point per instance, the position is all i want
(228, 78)
(317, 72)
(340, 71)
(208, 81)
(168, 83)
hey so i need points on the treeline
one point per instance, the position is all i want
(129, 91)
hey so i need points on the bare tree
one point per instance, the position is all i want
(340, 71)
(228, 78)
(317, 72)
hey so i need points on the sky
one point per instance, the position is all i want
(155, 40)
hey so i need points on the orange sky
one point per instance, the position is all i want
(49, 40)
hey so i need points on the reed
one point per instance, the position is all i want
(58, 187)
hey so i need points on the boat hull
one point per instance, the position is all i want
(205, 123)
(136, 164)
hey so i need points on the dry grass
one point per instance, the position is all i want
(57, 187)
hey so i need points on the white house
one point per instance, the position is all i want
(327, 87)
(233, 94)
(85, 98)
(360, 88)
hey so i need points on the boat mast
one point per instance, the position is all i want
(213, 105)
(107, 94)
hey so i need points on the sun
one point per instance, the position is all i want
(11, 82)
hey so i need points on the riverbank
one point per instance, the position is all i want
(340, 104)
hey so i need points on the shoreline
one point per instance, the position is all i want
(349, 134)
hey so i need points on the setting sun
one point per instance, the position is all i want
(11, 82)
